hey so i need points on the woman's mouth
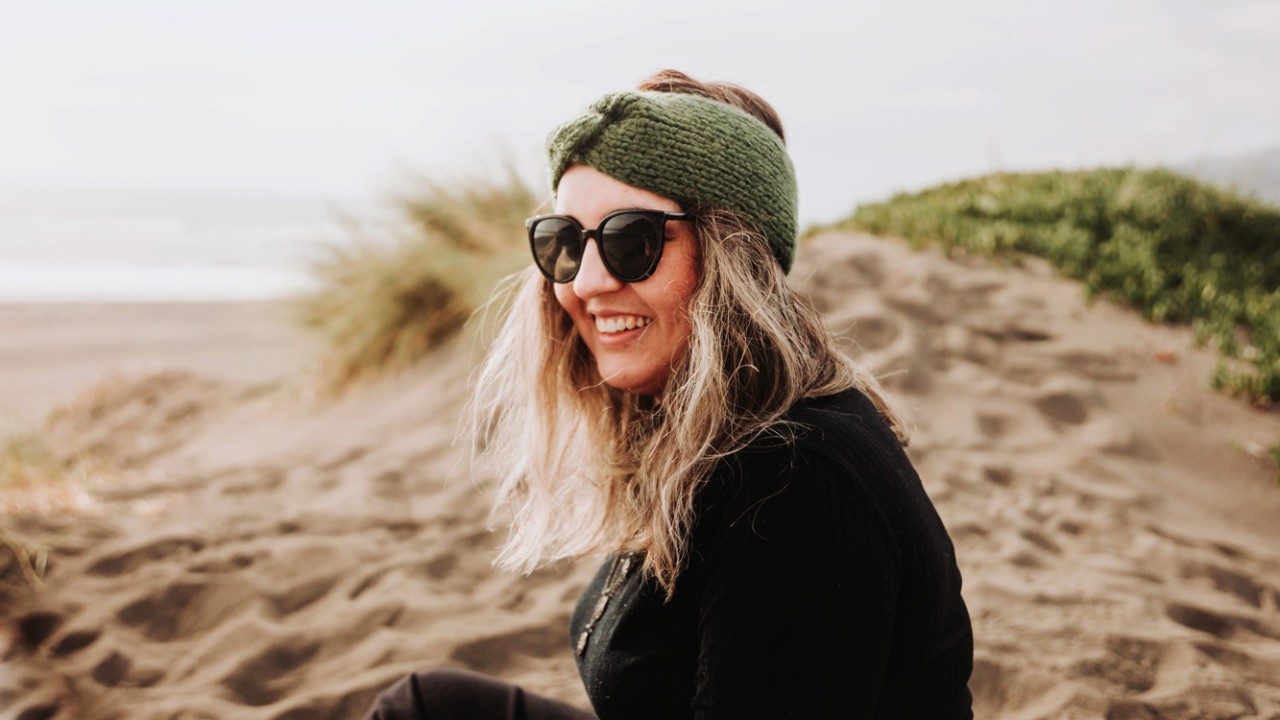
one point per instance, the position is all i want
(616, 324)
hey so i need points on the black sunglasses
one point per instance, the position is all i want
(630, 243)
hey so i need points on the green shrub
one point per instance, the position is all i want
(384, 304)
(1178, 250)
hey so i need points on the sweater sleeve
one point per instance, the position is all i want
(801, 574)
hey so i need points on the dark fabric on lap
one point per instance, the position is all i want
(461, 695)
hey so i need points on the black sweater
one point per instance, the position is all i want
(820, 584)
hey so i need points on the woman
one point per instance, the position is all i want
(658, 393)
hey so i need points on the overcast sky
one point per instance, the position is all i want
(346, 99)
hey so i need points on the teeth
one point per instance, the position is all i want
(618, 323)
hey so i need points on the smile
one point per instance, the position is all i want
(620, 323)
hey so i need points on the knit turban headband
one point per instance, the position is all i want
(696, 151)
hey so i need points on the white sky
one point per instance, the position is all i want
(346, 99)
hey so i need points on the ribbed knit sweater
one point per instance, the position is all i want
(821, 584)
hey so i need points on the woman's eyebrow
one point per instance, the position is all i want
(641, 209)
(610, 212)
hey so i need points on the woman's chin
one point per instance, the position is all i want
(649, 384)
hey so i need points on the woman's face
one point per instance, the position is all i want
(640, 359)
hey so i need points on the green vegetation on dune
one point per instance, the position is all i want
(1178, 250)
(384, 304)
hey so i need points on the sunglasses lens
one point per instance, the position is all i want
(632, 244)
(557, 248)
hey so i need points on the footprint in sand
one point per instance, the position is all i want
(1201, 700)
(993, 425)
(1255, 669)
(302, 594)
(438, 568)
(492, 655)
(1063, 407)
(367, 582)
(40, 712)
(269, 675)
(1001, 475)
(112, 670)
(160, 616)
(1001, 689)
(1041, 540)
(389, 485)
(74, 642)
(36, 627)
(125, 561)
(1129, 663)
(184, 608)
(441, 565)
(1218, 624)
(1234, 583)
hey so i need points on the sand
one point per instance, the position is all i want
(260, 551)
(50, 353)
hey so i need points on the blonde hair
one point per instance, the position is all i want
(587, 468)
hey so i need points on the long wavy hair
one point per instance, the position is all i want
(585, 467)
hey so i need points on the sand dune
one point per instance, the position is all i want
(265, 553)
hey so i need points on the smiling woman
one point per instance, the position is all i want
(659, 394)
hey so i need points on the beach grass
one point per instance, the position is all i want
(384, 303)
(39, 477)
(1178, 250)
(26, 464)
(26, 461)
(23, 562)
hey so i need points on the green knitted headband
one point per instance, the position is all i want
(691, 149)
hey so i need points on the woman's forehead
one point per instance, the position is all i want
(588, 195)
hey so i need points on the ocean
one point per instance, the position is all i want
(118, 245)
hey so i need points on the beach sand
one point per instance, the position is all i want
(51, 352)
(257, 550)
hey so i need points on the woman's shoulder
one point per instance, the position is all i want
(809, 485)
(830, 452)
(845, 428)
(833, 444)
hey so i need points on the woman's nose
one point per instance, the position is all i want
(593, 279)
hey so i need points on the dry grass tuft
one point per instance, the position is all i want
(26, 462)
(36, 480)
(32, 479)
(23, 562)
(383, 305)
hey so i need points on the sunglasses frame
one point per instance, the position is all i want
(660, 216)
